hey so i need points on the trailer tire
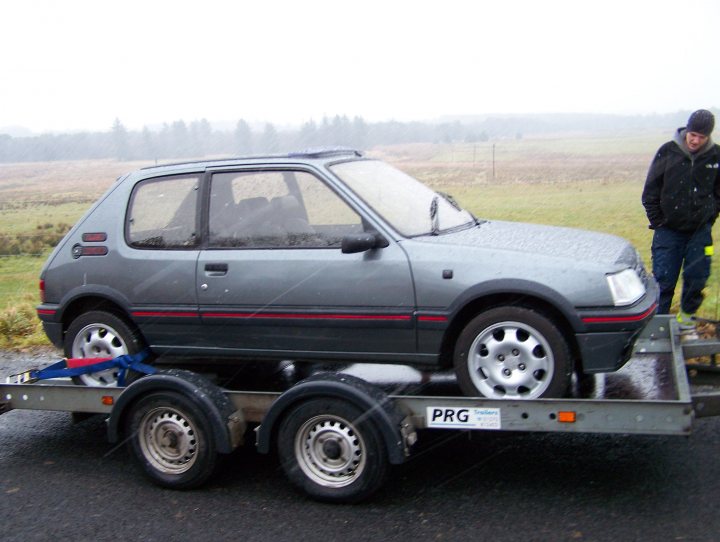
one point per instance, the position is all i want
(332, 450)
(171, 438)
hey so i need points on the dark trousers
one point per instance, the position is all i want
(673, 250)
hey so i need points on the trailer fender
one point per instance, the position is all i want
(227, 425)
(397, 435)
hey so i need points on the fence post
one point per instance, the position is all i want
(493, 160)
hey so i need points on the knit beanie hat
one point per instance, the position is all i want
(702, 122)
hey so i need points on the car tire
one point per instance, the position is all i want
(512, 353)
(100, 334)
(332, 450)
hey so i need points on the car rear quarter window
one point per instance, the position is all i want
(163, 213)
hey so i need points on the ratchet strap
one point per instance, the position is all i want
(67, 368)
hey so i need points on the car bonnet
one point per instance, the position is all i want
(553, 241)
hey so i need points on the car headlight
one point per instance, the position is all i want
(626, 287)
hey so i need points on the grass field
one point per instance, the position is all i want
(591, 183)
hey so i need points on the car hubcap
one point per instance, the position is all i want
(99, 341)
(510, 360)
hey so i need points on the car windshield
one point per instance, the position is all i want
(408, 205)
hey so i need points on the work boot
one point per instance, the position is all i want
(686, 323)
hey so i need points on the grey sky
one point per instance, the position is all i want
(79, 64)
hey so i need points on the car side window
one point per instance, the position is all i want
(163, 213)
(277, 209)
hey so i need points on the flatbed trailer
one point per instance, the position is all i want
(337, 432)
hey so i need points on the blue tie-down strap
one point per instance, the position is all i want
(75, 367)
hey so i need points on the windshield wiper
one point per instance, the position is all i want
(434, 218)
(450, 200)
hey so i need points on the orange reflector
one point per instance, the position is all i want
(566, 417)
(107, 400)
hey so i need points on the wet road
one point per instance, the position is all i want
(59, 480)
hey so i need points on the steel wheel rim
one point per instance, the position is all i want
(99, 341)
(168, 440)
(330, 451)
(511, 360)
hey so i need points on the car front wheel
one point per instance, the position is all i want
(512, 353)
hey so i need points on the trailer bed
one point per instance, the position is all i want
(654, 393)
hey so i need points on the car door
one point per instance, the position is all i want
(274, 281)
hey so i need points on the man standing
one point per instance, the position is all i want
(682, 199)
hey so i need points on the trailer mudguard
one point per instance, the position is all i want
(227, 425)
(372, 400)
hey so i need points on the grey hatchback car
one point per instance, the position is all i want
(333, 257)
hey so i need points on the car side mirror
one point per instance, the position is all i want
(361, 242)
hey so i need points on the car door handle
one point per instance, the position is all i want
(216, 269)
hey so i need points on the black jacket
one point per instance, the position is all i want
(682, 190)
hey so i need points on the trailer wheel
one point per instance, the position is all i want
(512, 353)
(171, 439)
(332, 450)
(100, 334)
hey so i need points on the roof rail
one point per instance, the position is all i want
(320, 152)
(325, 152)
(188, 162)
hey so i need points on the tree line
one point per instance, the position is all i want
(199, 138)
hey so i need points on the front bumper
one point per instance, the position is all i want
(605, 352)
(608, 337)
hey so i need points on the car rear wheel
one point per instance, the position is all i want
(512, 353)
(100, 334)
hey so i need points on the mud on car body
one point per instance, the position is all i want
(331, 256)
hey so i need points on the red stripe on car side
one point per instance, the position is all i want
(618, 319)
(153, 314)
(163, 314)
(432, 318)
(307, 316)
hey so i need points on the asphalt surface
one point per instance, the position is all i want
(60, 480)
